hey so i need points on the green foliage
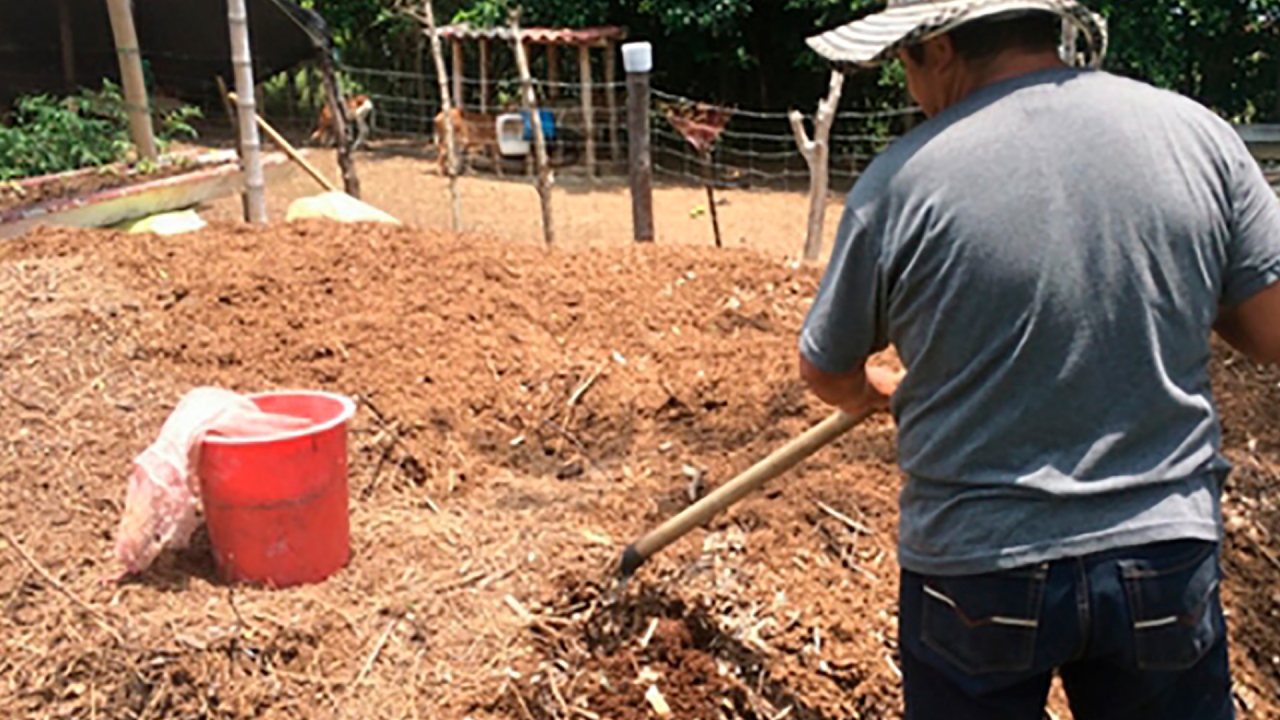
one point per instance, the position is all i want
(54, 135)
(177, 124)
(1224, 53)
(751, 53)
(50, 134)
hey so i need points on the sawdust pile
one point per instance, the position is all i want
(523, 414)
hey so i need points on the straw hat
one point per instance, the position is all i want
(875, 38)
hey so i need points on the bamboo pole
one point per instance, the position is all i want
(135, 86)
(530, 99)
(242, 62)
(446, 104)
(816, 152)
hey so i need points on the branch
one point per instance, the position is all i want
(827, 107)
(806, 146)
(93, 612)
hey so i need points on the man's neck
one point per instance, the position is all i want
(1010, 65)
(1007, 65)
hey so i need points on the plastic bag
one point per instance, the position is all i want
(337, 206)
(172, 223)
(163, 494)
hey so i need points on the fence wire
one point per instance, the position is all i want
(756, 149)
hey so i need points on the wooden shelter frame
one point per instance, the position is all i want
(585, 40)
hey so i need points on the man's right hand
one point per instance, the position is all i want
(857, 392)
(884, 380)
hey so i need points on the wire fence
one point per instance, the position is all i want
(756, 149)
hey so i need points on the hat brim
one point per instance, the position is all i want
(874, 39)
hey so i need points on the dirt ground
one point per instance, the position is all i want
(411, 188)
(523, 415)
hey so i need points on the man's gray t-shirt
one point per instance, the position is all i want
(1048, 257)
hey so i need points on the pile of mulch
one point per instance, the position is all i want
(523, 414)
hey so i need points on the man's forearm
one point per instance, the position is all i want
(848, 391)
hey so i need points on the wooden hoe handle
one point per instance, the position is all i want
(290, 150)
(697, 514)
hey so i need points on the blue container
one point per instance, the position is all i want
(548, 124)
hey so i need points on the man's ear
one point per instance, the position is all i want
(940, 52)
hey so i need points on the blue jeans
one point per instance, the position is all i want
(1136, 634)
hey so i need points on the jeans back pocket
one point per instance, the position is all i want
(1173, 603)
(984, 623)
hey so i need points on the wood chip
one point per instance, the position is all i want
(648, 634)
(657, 702)
(518, 608)
(850, 522)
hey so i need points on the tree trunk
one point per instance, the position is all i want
(816, 153)
(451, 161)
(338, 106)
(530, 99)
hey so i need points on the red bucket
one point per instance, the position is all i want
(276, 506)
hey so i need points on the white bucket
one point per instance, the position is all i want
(510, 130)
(637, 57)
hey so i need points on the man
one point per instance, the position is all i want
(1049, 254)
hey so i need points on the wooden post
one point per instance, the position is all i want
(135, 87)
(338, 109)
(588, 108)
(451, 162)
(291, 93)
(255, 182)
(1067, 50)
(611, 100)
(553, 71)
(816, 153)
(68, 45)
(235, 130)
(457, 68)
(420, 69)
(539, 140)
(640, 161)
(484, 75)
(313, 88)
(709, 177)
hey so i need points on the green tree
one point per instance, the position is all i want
(1224, 53)
(751, 53)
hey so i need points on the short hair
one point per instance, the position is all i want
(1034, 30)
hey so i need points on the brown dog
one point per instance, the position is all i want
(359, 107)
(472, 131)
